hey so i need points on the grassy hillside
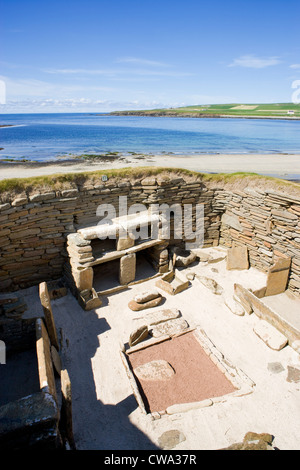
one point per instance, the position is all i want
(233, 109)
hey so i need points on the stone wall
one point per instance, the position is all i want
(267, 222)
(34, 224)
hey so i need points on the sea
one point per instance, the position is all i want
(48, 137)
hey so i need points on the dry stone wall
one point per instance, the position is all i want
(34, 224)
(267, 222)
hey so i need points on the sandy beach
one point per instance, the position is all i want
(286, 166)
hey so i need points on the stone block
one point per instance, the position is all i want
(125, 243)
(270, 335)
(66, 408)
(83, 277)
(45, 368)
(89, 299)
(136, 307)
(170, 327)
(138, 335)
(237, 258)
(127, 269)
(278, 275)
(49, 319)
(146, 296)
(30, 423)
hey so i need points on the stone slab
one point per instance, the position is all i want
(146, 296)
(155, 370)
(45, 367)
(170, 327)
(49, 319)
(138, 335)
(160, 316)
(127, 268)
(278, 275)
(237, 258)
(136, 307)
(270, 335)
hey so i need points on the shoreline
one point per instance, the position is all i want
(199, 116)
(284, 166)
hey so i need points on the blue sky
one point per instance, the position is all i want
(104, 55)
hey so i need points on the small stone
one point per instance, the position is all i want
(211, 284)
(146, 296)
(138, 335)
(136, 307)
(275, 367)
(190, 276)
(293, 374)
(155, 370)
(170, 439)
(253, 441)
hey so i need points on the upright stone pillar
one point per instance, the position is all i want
(127, 269)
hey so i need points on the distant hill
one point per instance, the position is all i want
(264, 111)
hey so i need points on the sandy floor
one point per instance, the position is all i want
(105, 413)
(279, 165)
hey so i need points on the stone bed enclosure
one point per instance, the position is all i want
(261, 215)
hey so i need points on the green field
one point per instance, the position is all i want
(234, 109)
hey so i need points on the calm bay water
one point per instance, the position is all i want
(44, 137)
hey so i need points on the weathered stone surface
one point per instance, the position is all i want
(183, 257)
(170, 439)
(161, 316)
(172, 283)
(146, 296)
(31, 422)
(49, 319)
(155, 370)
(233, 305)
(270, 335)
(136, 307)
(232, 221)
(242, 297)
(210, 284)
(253, 441)
(170, 327)
(56, 360)
(124, 243)
(127, 268)
(237, 258)
(293, 374)
(138, 335)
(83, 277)
(77, 240)
(275, 367)
(45, 368)
(66, 408)
(42, 197)
(278, 277)
(89, 299)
